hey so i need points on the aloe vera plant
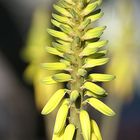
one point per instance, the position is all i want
(80, 49)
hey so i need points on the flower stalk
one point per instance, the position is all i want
(79, 47)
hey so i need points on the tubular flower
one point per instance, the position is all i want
(80, 50)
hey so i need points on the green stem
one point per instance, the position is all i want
(76, 64)
(75, 85)
(74, 119)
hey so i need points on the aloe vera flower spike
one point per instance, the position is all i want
(80, 49)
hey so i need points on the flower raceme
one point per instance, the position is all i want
(79, 48)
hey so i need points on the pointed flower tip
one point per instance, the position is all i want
(43, 112)
(101, 107)
(104, 27)
(48, 30)
(114, 77)
(113, 113)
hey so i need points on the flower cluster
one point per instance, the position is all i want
(80, 50)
